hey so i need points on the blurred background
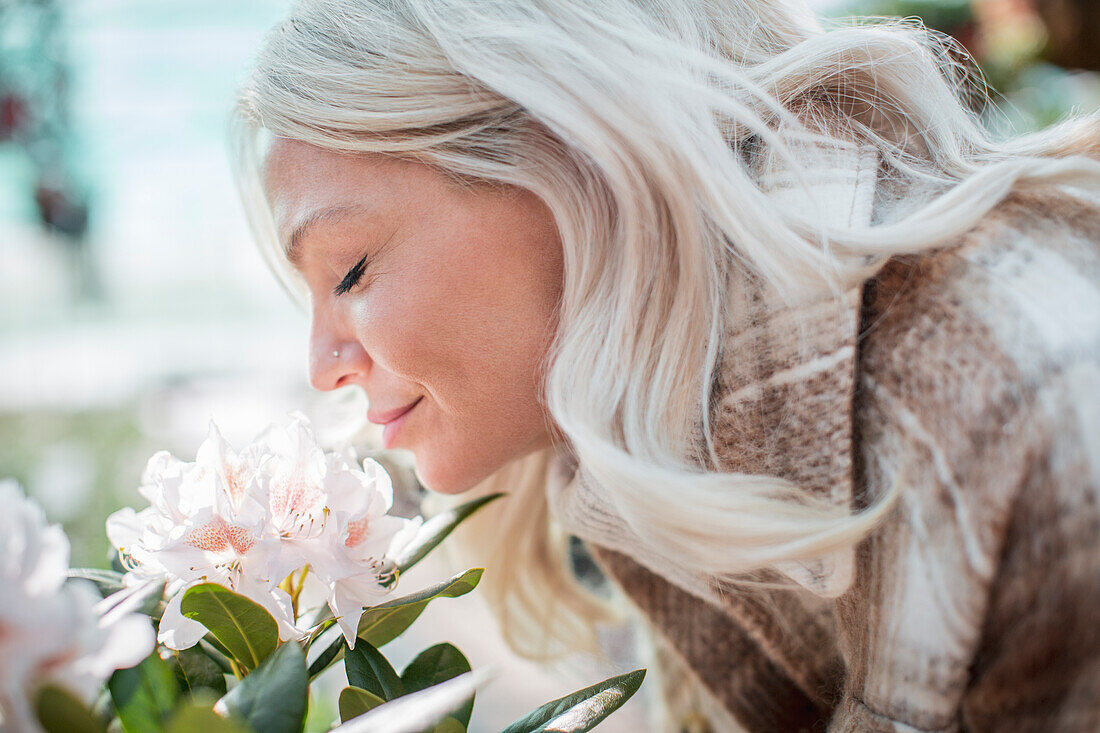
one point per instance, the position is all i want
(134, 307)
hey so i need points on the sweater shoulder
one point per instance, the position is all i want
(978, 370)
(981, 361)
(968, 334)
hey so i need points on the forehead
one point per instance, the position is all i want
(305, 184)
(295, 166)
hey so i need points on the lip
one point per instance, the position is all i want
(395, 419)
(383, 418)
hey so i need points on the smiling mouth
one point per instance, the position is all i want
(385, 418)
(393, 426)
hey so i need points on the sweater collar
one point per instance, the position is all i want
(782, 399)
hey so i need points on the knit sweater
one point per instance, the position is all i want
(969, 374)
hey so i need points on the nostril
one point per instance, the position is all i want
(336, 360)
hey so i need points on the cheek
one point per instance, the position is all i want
(381, 326)
(486, 410)
(468, 321)
(414, 329)
(465, 322)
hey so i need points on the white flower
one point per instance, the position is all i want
(358, 536)
(50, 630)
(249, 520)
(206, 523)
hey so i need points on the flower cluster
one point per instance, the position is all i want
(52, 631)
(277, 518)
(279, 525)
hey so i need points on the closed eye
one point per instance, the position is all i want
(355, 274)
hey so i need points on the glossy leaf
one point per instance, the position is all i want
(59, 711)
(368, 670)
(201, 719)
(436, 529)
(319, 629)
(218, 654)
(583, 709)
(355, 701)
(333, 653)
(449, 725)
(381, 624)
(417, 711)
(381, 627)
(144, 696)
(273, 698)
(242, 626)
(196, 671)
(434, 665)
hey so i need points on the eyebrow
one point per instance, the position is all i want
(332, 213)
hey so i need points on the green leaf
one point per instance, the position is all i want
(245, 628)
(449, 725)
(106, 581)
(381, 624)
(144, 696)
(60, 711)
(583, 709)
(273, 698)
(196, 671)
(419, 711)
(319, 629)
(354, 702)
(434, 665)
(436, 529)
(333, 653)
(368, 670)
(218, 654)
(193, 718)
(386, 625)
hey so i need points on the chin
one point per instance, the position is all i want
(445, 482)
(436, 473)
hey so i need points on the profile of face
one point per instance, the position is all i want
(439, 300)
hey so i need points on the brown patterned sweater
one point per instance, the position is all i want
(972, 375)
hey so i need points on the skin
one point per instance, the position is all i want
(457, 305)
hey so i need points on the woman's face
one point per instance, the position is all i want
(439, 301)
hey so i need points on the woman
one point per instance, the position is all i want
(757, 311)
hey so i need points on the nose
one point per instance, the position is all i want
(336, 357)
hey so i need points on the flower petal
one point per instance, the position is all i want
(176, 630)
(128, 641)
(124, 528)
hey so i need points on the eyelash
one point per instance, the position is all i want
(355, 274)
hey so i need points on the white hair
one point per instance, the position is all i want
(631, 120)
